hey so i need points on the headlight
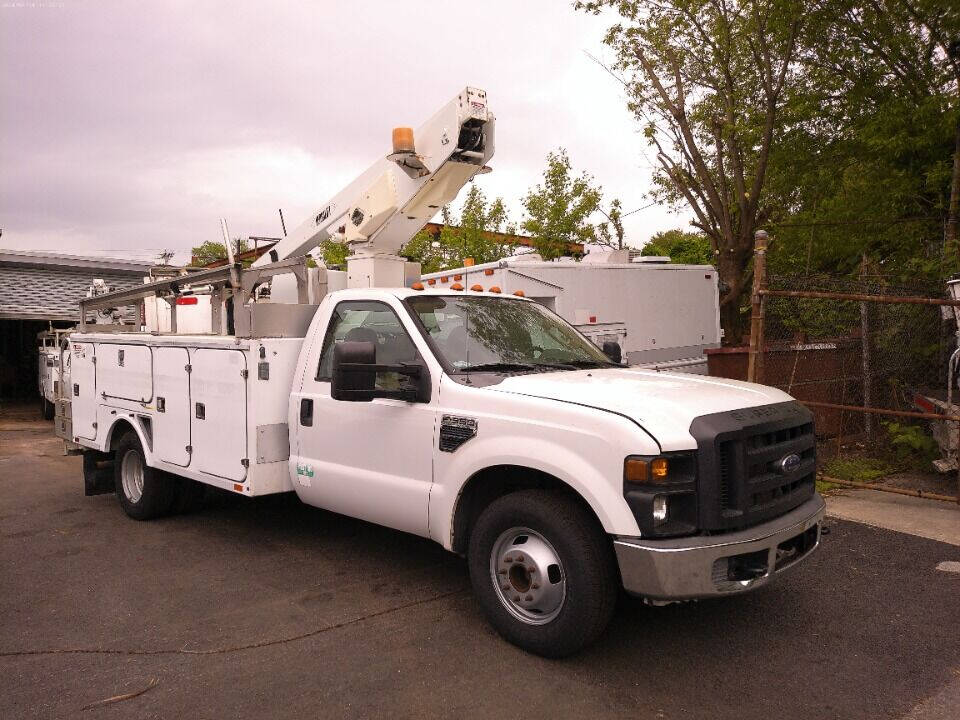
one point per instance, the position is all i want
(662, 492)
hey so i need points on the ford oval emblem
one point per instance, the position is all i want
(789, 463)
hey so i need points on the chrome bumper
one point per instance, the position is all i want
(708, 566)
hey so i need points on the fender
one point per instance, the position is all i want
(601, 491)
(119, 416)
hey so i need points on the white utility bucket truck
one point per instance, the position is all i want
(49, 371)
(479, 419)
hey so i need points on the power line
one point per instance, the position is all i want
(638, 209)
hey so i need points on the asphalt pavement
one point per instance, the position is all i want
(269, 609)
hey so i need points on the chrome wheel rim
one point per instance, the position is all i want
(131, 473)
(528, 576)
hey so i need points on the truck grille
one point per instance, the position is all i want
(753, 464)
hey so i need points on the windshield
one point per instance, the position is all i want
(486, 333)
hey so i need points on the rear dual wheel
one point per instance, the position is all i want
(543, 571)
(144, 492)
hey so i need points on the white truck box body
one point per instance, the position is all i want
(49, 370)
(660, 313)
(210, 408)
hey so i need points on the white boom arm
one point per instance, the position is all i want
(388, 204)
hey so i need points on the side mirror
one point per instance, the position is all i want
(612, 350)
(354, 376)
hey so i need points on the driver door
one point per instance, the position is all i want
(370, 460)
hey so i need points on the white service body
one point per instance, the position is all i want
(197, 403)
(663, 316)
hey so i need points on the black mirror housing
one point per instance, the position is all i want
(354, 375)
(612, 350)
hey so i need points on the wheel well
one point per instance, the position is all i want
(119, 429)
(488, 484)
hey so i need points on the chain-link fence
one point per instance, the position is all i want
(885, 351)
(870, 358)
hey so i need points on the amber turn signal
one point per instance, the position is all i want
(645, 472)
(636, 471)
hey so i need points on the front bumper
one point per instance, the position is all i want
(708, 566)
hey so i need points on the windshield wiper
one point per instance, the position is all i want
(497, 367)
(580, 364)
(556, 366)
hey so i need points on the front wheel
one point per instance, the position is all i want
(543, 570)
(144, 493)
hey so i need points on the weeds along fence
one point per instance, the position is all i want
(870, 358)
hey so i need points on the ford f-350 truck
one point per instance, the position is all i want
(477, 419)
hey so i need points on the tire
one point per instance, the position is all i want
(48, 409)
(552, 539)
(145, 493)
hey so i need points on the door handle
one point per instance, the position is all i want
(306, 412)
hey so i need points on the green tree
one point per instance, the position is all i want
(482, 232)
(211, 251)
(709, 81)
(869, 164)
(611, 233)
(334, 253)
(559, 209)
(685, 248)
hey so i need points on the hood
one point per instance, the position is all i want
(664, 404)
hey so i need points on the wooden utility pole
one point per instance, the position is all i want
(757, 300)
(865, 356)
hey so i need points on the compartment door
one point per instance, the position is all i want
(83, 393)
(125, 372)
(171, 383)
(218, 417)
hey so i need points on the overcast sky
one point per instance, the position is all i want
(135, 125)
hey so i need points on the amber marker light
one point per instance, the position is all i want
(646, 471)
(456, 286)
(477, 288)
(519, 293)
(494, 289)
(417, 286)
(636, 470)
